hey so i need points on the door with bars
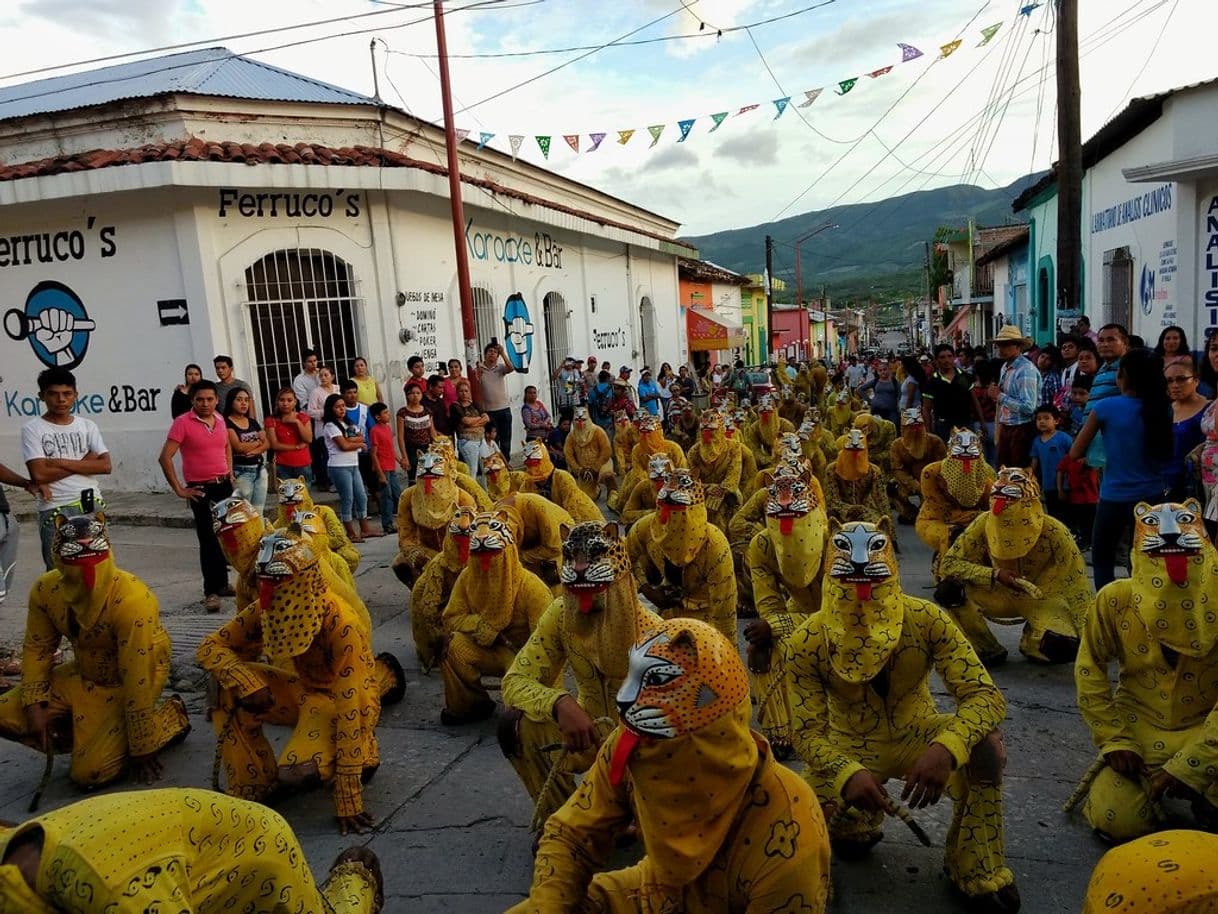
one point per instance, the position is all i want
(647, 321)
(487, 318)
(558, 340)
(1118, 287)
(300, 299)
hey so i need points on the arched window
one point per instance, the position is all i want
(299, 299)
(558, 340)
(647, 323)
(487, 319)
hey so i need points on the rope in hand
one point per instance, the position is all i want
(1084, 785)
(897, 812)
(539, 820)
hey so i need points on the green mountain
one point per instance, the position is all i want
(877, 250)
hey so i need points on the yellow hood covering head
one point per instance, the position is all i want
(290, 587)
(582, 425)
(1175, 576)
(810, 426)
(600, 595)
(852, 459)
(795, 517)
(651, 432)
(238, 526)
(685, 714)
(1016, 516)
(962, 468)
(495, 567)
(913, 431)
(537, 463)
(80, 551)
(495, 469)
(1169, 872)
(680, 530)
(713, 439)
(435, 491)
(863, 602)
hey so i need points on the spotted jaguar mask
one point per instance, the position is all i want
(852, 459)
(290, 589)
(238, 526)
(1016, 516)
(965, 482)
(713, 436)
(863, 601)
(80, 545)
(293, 496)
(681, 514)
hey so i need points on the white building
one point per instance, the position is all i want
(206, 203)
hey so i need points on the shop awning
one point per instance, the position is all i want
(708, 331)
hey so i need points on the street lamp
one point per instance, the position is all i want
(799, 280)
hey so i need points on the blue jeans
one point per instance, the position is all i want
(251, 484)
(352, 498)
(389, 495)
(468, 449)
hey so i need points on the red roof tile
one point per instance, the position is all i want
(197, 150)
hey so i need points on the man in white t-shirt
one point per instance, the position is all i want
(63, 452)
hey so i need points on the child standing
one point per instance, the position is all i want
(1048, 449)
(489, 445)
(385, 465)
(415, 430)
(1080, 392)
(1079, 487)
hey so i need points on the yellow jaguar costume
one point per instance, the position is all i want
(321, 681)
(537, 526)
(784, 561)
(642, 498)
(812, 438)
(717, 463)
(625, 437)
(859, 675)
(239, 528)
(1045, 583)
(682, 562)
(955, 491)
(912, 453)
(732, 424)
(1159, 626)
(754, 838)
(431, 591)
(443, 445)
(651, 442)
(880, 435)
(424, 511)
(682, 422)
(498, 477)
(761, 435)
(840, 415)
(103, 706)
(1171, 872)
(294, 496)
(854, 487)
(493, 609)
(541, 478)
(589, 455)
(591, 627)
(174, 850)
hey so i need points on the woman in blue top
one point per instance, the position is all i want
(1141, 421)
(1188, 409)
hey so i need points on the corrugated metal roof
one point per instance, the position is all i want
(210, 71)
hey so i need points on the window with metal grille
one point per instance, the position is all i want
(487, 318)
(300, 299)
(1118, 286)
(558, 344)
(647, 322)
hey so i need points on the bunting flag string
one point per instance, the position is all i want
(988, 33)
(718, 119)
(1027, 10)
(812, 95)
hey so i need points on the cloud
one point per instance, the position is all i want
(757, 148)
(673, 157)
(141, 19)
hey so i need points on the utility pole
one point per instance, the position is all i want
(769, 295)
(1070, 165)
(824, 310)
(469, 328)
(926, 334)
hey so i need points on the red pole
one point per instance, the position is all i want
(469, 328)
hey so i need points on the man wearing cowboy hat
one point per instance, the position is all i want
(1018, 395)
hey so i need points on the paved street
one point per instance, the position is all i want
(452, 818)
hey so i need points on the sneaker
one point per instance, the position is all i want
(212, 603)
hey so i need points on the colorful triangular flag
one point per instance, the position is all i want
(812, 95)
(544, 143)
(685, 127)
(461, 135)
(655, 130)
(746, 109)
(909, 52)
(572, 141)
(485, 138)
(718, 119)
(623, 136)
(988, 33)
(1027, 10)
(781, 105)
(948, 49)
(597, 139)
(515, 140)
(846, 85)
(882, 71)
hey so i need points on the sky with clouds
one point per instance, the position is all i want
(983, 115)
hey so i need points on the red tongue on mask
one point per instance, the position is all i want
(706, 437)
(1177, 568)
(863, 591)
(786, 525)
(585, 601)
(229, 538)
(89, 574)
(266, 590)
(998, 504)
(968, 464)
(289, 510)
(427, 485)
(463, 548)
(626, 744)
(484, 560)
(665, 510)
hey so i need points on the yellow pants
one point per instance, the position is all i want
(773, 702)
(464, 664)
(250, 766)
(98, 734)
(1049, 614)
(533, 749)
(1120, 807)
(975, 851)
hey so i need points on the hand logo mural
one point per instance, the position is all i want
(54, 322)
(518, 332)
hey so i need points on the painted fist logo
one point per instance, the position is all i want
(54, 322)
